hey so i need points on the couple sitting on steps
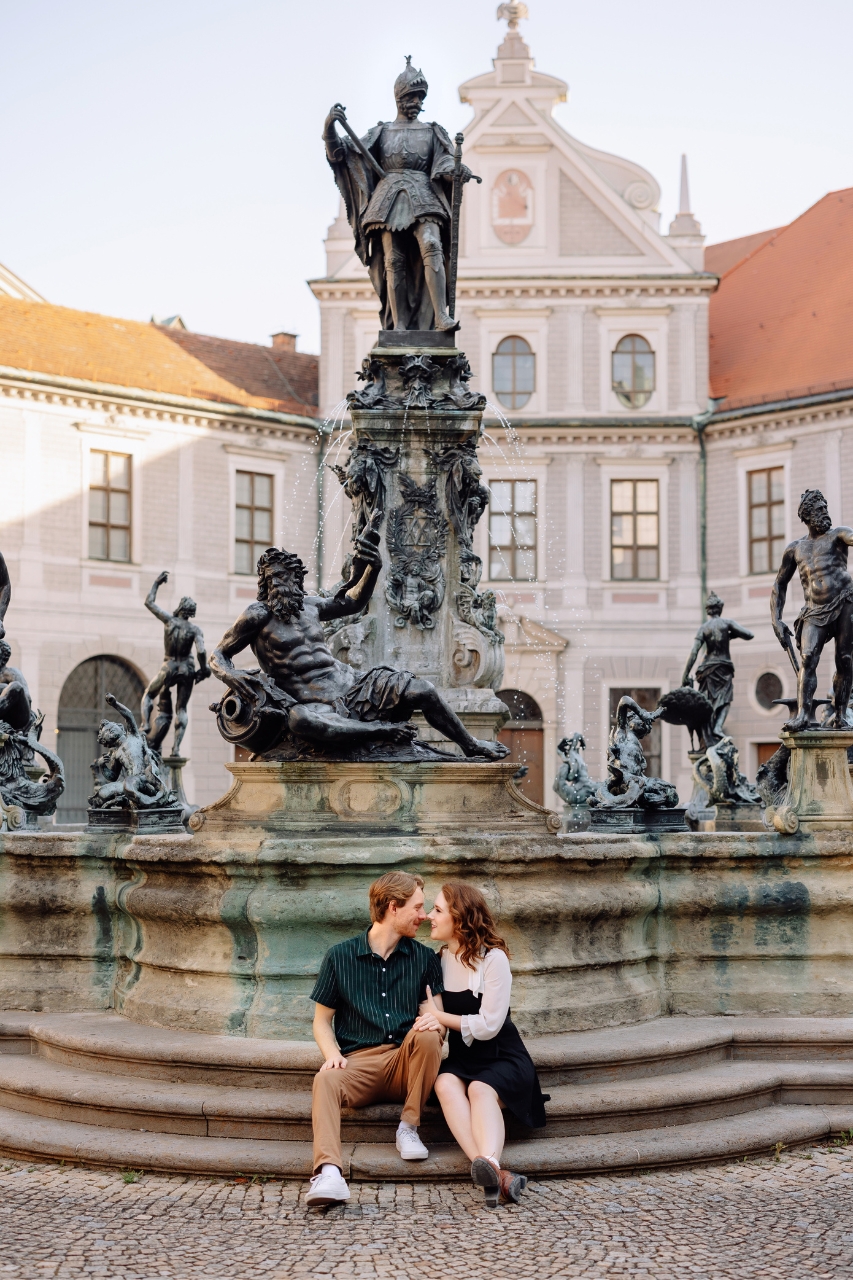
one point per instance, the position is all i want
(384, 1006)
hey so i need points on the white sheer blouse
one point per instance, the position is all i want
(490, 978)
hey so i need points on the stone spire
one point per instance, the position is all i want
(685, 233)
(513, 49)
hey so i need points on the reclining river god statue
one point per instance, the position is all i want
(302, 704)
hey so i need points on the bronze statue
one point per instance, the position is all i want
(573, 784)
(126, 775)
(821, 558)
(178, 670)
(15, 705)
(303, 703)
(715, 675)
(395, 183)
(627, 785)
(5, 593)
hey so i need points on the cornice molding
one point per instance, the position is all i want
(547, 287)
(130, 402)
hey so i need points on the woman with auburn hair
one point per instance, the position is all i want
(487, 1067)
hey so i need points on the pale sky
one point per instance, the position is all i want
(164, 156)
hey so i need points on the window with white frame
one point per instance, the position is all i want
(514, 372)
(512, 530)
(634, 530)
(633, 370)
(109, 505)
(253, 519)
(766, 497)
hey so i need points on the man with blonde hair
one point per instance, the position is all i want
(368, 993)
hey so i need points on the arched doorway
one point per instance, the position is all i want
(82, 707)
(524, 736)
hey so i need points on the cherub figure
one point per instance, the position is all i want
(126, 775)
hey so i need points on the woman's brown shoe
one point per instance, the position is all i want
(512, 1185)
(485, 1175)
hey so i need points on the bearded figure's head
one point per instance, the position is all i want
(713, 605)
(813, 511)
(280, 578)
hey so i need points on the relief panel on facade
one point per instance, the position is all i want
(512, 206)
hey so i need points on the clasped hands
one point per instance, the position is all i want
(433, 1018)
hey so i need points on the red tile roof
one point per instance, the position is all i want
(782, 318)
(42, 338)
(720, 258)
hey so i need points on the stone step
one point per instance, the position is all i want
(110, 1043)
(753, 1133)
(46, 1088)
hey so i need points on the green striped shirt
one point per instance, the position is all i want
(375, 1000)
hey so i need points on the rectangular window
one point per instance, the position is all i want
(648, 699)
(109, 506)
(512, 531)
(634, 530)
(252, 520)
(766, 490)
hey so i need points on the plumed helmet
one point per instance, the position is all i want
(409, 81)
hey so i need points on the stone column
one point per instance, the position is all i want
(819, 795)
(416, 427)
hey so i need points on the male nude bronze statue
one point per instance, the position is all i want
(715, 675)
(324, 703)
(395, 182)
(178, 670)
(821, 558)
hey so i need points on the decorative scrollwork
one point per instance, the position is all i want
(363, 480)
(416, 536)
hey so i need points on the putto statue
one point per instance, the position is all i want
(127, 775)
(821, 558)
(395, 182)
(715, 675)
(177, 672)
(627, 786)
(573, 784)
(302, 703)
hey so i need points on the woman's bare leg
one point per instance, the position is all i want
(450, 1091)
(487, 1122)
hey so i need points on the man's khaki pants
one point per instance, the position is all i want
(383, 1073)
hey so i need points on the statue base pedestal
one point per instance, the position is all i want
(613, 821)
(739, 817)
(139, 821)
(820, 791)
(576, 817)
(176, 765)
(305, 797)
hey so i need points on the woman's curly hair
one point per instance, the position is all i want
(473, 923)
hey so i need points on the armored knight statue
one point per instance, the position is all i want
(302, 703)
(573, 784)
(715, 675)
(178, 671)
(395, 183)
(821, 559)
(126, 774)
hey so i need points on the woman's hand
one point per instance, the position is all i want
(434, 1019)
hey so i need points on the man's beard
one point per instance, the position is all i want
(820, 520)
(285, 602)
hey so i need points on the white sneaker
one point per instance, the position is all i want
(327, 1188)
(409, 1144)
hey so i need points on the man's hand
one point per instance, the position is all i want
(337, 115)
(161, 578)
(202, 674)
(111, 699)
(783, 633)
(687, 682)
(431, 1018)
(335, 1062)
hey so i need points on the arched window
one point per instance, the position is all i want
(513, 372)
(633, 371)
(524, 735)
(82, 707)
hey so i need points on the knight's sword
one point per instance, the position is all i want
(455, 210)
(365, 154)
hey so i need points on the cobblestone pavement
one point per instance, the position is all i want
(789, 1218)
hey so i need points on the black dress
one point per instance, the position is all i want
(503, 1062)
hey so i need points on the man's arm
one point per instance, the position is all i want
(125, 713)
(694, 654)
(236, 639)
(150, 599)
(203, 669)
(366, 563)
(842, 532)
(779, 595)
(325, 1037)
